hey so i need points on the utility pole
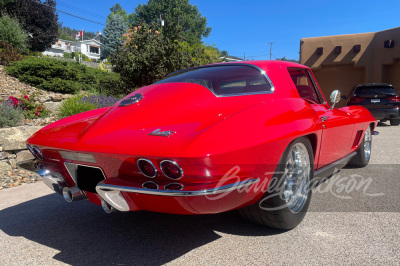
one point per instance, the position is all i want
(270, 50)
(244, 56)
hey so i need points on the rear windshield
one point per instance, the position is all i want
(225, 80)
(374, 90)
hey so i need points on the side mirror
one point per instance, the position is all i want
(335, 97)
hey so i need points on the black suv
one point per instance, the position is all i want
(380, 99)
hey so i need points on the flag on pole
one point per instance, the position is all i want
(79, 34)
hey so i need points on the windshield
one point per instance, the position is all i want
(225, 80)
(375, 90)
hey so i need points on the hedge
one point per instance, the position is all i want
(66, 77)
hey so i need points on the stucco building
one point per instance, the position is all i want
(343, 61)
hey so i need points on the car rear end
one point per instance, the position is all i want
(380, 99)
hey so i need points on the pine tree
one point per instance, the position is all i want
(115, 28)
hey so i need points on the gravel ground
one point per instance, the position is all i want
(39, 228)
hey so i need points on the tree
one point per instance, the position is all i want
(115, 28)
(182, 21)
(66, 33)
(224, 53)
(11, 32)
(290, 60)
(148, 56)
(38, 19)
(118, 10)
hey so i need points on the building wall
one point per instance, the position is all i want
(373, 63)
(54, 52)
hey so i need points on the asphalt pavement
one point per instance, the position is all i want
(353, 219)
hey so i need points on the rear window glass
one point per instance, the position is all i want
(374, 90)
(225, 80)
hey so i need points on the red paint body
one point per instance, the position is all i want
(213, 135)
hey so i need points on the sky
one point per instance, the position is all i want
(249, 27)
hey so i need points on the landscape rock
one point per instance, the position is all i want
(52, 106)
(4, 155)
(13, 163)
(24, 155)
(14, 138)
(4, 168)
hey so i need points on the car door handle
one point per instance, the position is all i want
(324, 118)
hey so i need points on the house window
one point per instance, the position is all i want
(94, 49)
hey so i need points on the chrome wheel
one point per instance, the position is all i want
(367, 144)
(297, 177)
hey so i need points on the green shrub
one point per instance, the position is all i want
(60, 85)
(73, 106)
(11, 32)
(66, 77)
(83, 103)
(68, 55)
(10, 116)
(35, 53)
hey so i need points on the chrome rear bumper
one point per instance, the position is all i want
(53, 180)
(112, 193)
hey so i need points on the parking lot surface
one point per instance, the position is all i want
(353, 219)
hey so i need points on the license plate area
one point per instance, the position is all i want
(375, 100)
(88, 177)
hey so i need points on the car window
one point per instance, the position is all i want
(375, 90)
(304, 85)
(225, 80)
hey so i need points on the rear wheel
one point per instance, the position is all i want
(285, 204)
(395, 122)
(364, 151)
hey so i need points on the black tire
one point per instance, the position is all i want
(272, 210)
(361, 160)
(395, 122)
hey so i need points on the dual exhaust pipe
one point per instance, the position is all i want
(75, 194)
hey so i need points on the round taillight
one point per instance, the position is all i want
(173, 186)
(147, 168)
(150, 185)
(37, 153)
(171, 169)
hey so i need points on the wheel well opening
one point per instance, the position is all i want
(313, 140)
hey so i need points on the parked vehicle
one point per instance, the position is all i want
(380, 99)
(251, 136)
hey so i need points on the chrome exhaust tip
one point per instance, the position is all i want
(73, 194)
(107, 207)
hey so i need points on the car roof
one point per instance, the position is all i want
(263, 64)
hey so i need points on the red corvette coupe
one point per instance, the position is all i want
(251, 136)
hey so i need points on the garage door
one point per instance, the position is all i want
(339, 78)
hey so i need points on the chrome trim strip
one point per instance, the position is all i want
(231, 64)
(155, 169)
(31, 150)
(101, 188)
(176, 164)
(332, 165)
(38, 153)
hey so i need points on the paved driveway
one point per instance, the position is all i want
(347, 223)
